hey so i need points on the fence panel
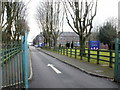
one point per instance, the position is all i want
(99, 56)
(10, 65)
(14, 63)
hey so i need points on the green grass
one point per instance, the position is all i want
(100, 57)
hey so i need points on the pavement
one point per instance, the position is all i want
(87, 67)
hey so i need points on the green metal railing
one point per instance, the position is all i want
(11, 65)
(14, 57)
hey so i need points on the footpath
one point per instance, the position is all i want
(87, 67)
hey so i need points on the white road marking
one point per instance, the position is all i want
(55, 69)
(98, 71)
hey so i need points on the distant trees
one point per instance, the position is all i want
(107, 34)
(50, 18)
(79, 16)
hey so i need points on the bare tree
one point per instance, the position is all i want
(57, 21)
(13, 19)
(42, 19)
(79, 16)
(48, 16)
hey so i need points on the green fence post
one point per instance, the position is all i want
(14, 63)
(63, 51)
(17, 64)
(20, 66)
(98, 56)
(3, 67)
(23, 70)
(110, 63)
(67, 51)
(26, 60)
(70, 52)
(58, 50)
(116, 59)
(6, 66)
(88, 55)
(9, 64)
(75, 53)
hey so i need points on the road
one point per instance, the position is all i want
(49, 72)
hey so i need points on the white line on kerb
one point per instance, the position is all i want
(55, 69)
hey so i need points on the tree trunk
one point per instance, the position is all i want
(55, 43)
(82, 48)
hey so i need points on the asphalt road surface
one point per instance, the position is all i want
(49, 72)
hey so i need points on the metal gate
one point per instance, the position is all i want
(117, 61)
(14, 64)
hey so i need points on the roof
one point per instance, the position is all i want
(68, 34)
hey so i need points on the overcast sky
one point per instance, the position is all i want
(105, 10)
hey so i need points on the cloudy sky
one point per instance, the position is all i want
(106, 9)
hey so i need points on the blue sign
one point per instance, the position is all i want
(94, 45)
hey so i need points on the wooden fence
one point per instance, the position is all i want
(106, 56)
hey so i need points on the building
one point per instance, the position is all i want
(62, 39)
(38, 39)
(67, 37)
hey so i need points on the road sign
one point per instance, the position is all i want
(94, 45)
